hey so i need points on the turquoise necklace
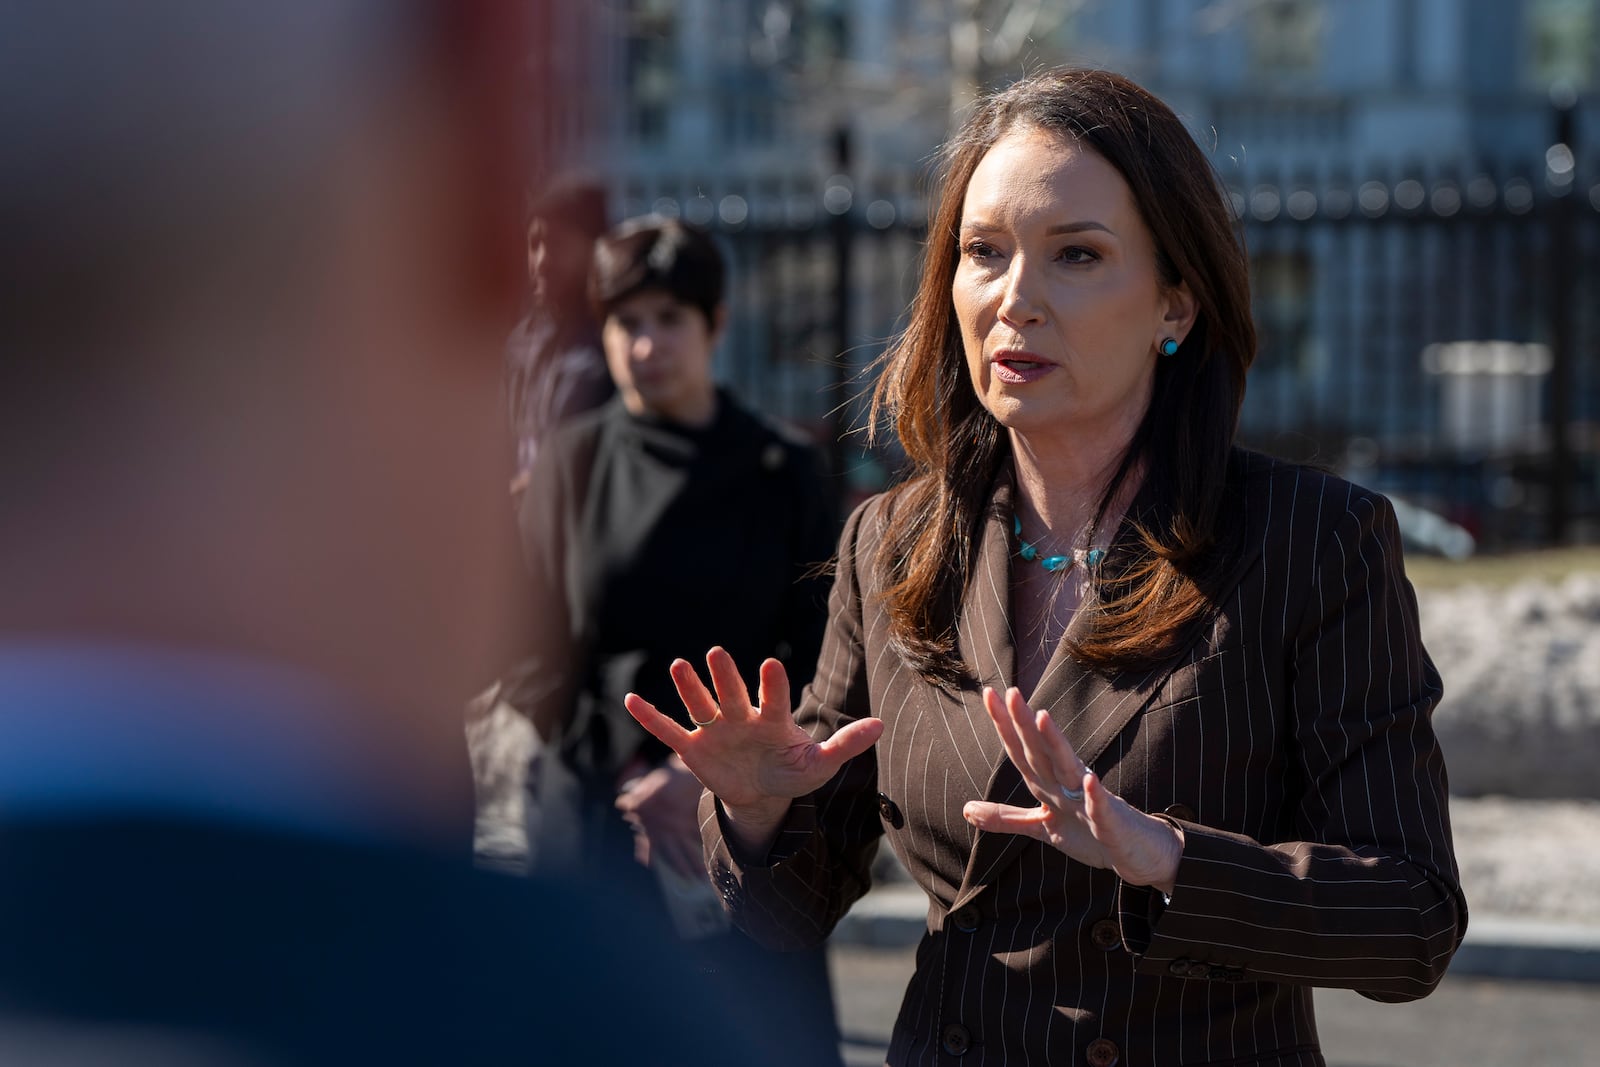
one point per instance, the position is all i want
(1089, 557)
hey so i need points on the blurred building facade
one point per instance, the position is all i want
(749, 86)
(1402, 169)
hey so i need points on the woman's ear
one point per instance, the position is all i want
(1177, 318)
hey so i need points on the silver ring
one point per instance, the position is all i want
(708, 722)
(1072, 794)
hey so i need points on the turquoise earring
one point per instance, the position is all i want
(1169, 347)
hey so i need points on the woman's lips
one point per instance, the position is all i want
(1019, 368)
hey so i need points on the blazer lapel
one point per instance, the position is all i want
(1090, 708)
(985, 632)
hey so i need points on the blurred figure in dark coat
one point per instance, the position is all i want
(252, 544)
(675, 486)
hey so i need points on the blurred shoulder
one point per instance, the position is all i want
(778, 446)
(562, 462)
(578, 433)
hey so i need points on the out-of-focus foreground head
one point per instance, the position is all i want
(251, 310)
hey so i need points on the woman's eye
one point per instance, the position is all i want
(978, 250)
(1078, 254)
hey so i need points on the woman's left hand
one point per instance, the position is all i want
(1099, 828)
(663, 808)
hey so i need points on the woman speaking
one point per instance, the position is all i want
(1145, 715)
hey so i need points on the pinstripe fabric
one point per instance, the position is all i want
(1291, 741)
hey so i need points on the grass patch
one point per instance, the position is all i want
(1550, 565)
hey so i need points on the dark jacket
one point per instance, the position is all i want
(649, 541)
(1291, 741)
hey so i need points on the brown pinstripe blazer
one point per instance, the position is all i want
(1291, 741)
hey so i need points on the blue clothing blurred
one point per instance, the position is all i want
(193, 869)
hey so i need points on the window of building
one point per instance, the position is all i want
(650, 67)
(827, 31)
(1281, 289)
(1563, 43)
(1285, 36)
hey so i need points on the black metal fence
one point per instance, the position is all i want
(1423, 330)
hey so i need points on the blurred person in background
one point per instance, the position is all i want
(1145, 714)
(252, 514)
(554, 365)
(554, 370)
(668, 516)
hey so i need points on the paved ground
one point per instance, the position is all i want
(1465, 1023)
(1529, 859)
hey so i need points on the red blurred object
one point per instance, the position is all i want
(484, 52)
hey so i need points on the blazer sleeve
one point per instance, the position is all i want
(821, 860)
(1369, 898)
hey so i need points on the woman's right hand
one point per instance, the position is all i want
(753, 757)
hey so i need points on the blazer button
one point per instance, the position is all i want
(1103, 1052)
(1199, 970)
(890, 811)
(966, 919)
(1106, 934)
(955, 1039)
(1179, 967)
(1181, 811)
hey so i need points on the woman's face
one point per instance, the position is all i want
(659, 353)
(1057, 292)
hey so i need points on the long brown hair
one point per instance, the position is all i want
(956, 447)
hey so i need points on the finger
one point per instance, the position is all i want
(697, 699)
(663, 729)
(732, 695)
(774, 690)
(994, 704)
(1038, 773)
(1106, 812)
(847, 744)
(641, 848)
(1064, 762)
(634, 800)
(639, 792)
(1005, 724)
(1006, 818)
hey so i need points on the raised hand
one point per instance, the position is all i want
(661, 806)
(752, 757)
(1077, 814)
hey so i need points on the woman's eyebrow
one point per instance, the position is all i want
(985, 226)
(1079, 227)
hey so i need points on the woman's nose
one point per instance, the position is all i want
(643, 346)
(1018, 304)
